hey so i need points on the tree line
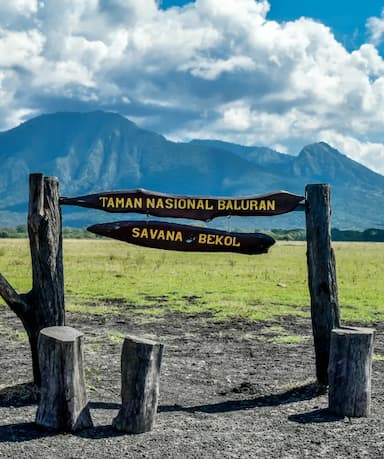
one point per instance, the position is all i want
(368, 235)
(296, 234)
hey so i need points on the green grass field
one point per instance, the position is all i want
(103, 276)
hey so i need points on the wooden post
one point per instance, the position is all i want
(63, 401)
(321, 275)
(140, 374)
(43, 306)
(350, 370)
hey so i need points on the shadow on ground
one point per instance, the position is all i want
(315, 417)
(306, 392)
(26, 394)
(19, 395)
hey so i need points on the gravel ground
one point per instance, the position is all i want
(228, 390)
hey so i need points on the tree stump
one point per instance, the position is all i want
(350, 370)
(321, 275)
(63, 399)
(140, 374)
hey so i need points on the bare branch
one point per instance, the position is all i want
(11, 297)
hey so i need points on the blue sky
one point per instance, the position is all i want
(256, 72)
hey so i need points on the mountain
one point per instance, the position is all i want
(262, 156)
(99, 151)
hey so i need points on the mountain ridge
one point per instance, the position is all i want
(100, 151)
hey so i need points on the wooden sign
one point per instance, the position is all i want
(198, 208)
(172, 236)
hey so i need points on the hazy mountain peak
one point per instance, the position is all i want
(101, 151)
(320, 149)
(323, 163)
(264, 157)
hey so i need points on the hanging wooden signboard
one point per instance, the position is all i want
(186, 238)
(198, 208)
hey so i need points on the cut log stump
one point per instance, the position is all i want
(63, 400)
(350, 370)
(140, 374)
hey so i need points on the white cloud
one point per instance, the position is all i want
(213, 68)
(20, 48)
(368, 60)
(375, 28)
(62, 73)
(14, 8)
(368, 153)
(237, 117)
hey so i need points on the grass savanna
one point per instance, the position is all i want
(105, 276)
(237, 377)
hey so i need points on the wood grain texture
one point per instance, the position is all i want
(46, 298)
(350, 371)
(321, 275)
(43, 306)
(63, 402)
(11, 297)
(140, 374)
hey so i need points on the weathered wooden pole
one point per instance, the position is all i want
(43, 306)
(140, 374)
(350, 370)
(63, 401)
(321, 274)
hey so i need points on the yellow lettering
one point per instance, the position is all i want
(227, 240)
(271, 205)
(237, 205)
(144, 233)
(219, 240)
(169, 203)
(235, 242)
(128, 203)
(211, 239)
(135, 232)
(151, 203)
(159, 203)
(138, 203)
(179, 236)
(200, 204)
(103, 200)
(191, 204)
(202, 238)
(253, 205)
(262, 205)
(221, 204)
(111, 203)
(170, 235)
(182, 204)
(245, 204)
(119, 202)
(208, 206)
(216, 239)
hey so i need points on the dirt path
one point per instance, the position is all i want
(228, 390)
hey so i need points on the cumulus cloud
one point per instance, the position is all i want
(18, 8)
(369, 153)
(20, 48)
(210, 69)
